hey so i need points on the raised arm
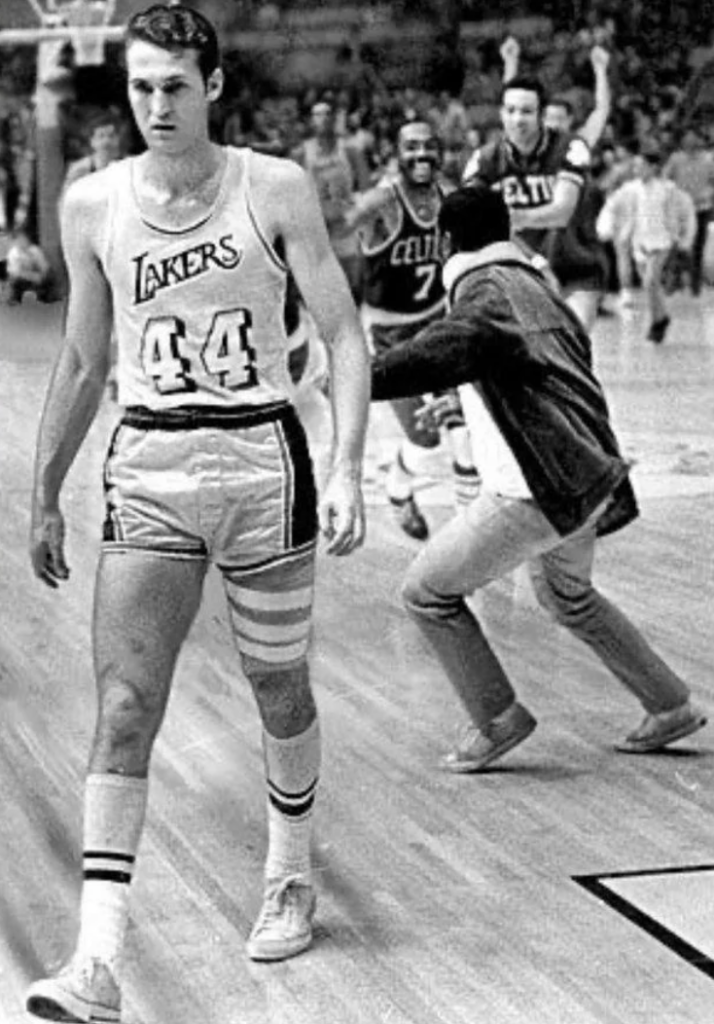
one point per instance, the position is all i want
(591, 131)
(295, 216)
(77, 382)
(510, 51)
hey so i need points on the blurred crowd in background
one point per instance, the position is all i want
(652, 69)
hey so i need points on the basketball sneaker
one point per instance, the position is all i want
(84, 991)
(658, 329)
(284, 925)
(482, 746)
(410, 518)
(657, 731)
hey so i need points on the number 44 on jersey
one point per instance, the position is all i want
(226, 354)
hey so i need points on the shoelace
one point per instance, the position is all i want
(274, 903)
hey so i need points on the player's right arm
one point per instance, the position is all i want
(79, 375)
(365, 207)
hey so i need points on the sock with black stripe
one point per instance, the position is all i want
(292, 768)
(114, 812)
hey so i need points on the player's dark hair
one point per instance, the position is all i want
(528, 84)
(175, 27)
(423, 121)
(474, 216)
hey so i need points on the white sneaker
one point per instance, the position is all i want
(284, 925)
(482, 746)
(657, 731)
(84, 991)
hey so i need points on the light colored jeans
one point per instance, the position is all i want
(491, 538)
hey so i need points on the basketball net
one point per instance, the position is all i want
(85, 21)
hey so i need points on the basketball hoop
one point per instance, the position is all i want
(84, 23)
(87, 22)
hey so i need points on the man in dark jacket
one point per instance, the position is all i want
(553, 480)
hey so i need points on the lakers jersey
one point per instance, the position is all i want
(198, 312)
(402, 272)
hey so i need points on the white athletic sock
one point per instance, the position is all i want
(114, 811)
(292, 768)
(460, 445)
(467, 484)
(400, 480)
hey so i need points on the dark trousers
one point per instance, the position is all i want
(700, 242)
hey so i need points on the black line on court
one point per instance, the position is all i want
(596, 885)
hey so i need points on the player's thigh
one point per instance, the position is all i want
(493, 537)
(405, 409)
(270, 609)
(144, 604)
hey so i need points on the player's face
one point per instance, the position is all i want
(643, 169)
(558, 118)
(418, 154)
(323, 120)
(168, 96)
(105, 141)
(520, 117)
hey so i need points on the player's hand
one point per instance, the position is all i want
(341, 512)
(47, 548)
(599, 57)
(510, 49)
(434, 410)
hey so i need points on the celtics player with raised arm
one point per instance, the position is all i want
(402, 292)
(540, 172)
(185, 251)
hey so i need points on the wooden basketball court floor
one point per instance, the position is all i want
(573, 885)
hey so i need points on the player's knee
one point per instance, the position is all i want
(568, 609)
(422, 436)
(127, 711)
(423, 601)
(283, 694)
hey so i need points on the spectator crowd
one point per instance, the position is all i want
(651, 70)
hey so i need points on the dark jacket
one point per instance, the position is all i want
(517, 342)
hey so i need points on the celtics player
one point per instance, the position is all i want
(402, 292)
(540, 172)
(185, 252)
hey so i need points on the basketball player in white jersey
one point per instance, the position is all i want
(402, 293)
(339, 171)
(185, 249)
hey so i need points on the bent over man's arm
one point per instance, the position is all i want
(77, 381)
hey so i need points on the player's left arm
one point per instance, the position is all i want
(595, 124)
(298, 221)
(569, 180)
